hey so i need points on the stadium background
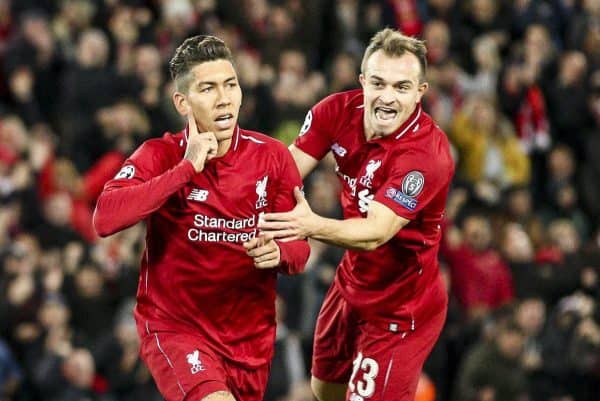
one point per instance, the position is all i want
(515, 84)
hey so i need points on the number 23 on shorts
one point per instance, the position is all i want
(363, 386)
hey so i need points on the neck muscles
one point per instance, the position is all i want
(223, 147)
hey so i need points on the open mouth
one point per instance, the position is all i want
(224, 121)
(385, 113)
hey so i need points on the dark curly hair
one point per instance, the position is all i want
(193, 51)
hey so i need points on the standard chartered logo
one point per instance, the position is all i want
(214, 229)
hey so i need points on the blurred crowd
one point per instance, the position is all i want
(514, 83)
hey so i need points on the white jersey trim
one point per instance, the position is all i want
(410, 124)
(387, 375)
(252, 139)
(170, 364)
(237, 137)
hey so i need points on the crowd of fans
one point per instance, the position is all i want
(514, 83)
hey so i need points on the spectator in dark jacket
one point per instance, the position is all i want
(492, 370)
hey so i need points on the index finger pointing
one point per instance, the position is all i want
(192, 127)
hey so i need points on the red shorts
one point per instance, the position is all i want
(184, 368)
(375, 362)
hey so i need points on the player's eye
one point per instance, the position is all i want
(377, 85)
(205, 89)
(232, 85)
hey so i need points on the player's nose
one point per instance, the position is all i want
(223, 98)
(387, 95)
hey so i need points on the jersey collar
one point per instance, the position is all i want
(229, 157)
(411, 124)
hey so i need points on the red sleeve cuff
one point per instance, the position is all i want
(293, 256)
(188, 168)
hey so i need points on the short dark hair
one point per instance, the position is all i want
(196, 50)
(395, 44)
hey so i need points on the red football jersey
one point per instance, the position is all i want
(410, 172)
(195, 275)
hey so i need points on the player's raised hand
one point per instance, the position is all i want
(264, 250)
(201, 146)
(298, 223)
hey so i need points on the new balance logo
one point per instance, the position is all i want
(198, 195)
(194, 360)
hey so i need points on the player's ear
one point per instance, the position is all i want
(423, 86)
(362, 80)
(181, 104)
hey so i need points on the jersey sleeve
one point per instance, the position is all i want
(101, 172)
(317, 132)
(143, 184)
(412, 183)
(294, 254)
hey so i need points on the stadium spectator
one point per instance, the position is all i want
(492, 369)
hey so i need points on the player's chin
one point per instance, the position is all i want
(386, 129)
(224, 133)
(387, 126)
